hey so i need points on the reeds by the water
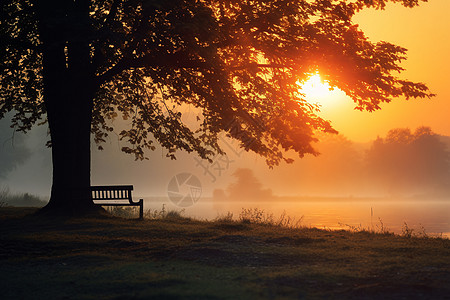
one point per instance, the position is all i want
(262, 217)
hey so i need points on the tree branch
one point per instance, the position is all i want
(112, 12)
(178, 60)
(20, 44)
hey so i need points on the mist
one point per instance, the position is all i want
(404, 163)
(245, 187)
(25, 161)
(341, 185)
(13, 150)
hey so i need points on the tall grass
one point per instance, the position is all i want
(406, 232)
(3, 196)
(150, 214)
(164, 214)
(19, 199)
(123, 211)
(259, 216)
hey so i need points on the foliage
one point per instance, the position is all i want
(227, 218)
(150, 214)
(407, 231)
(123, 211)
(404, 159)
(155, 214)
(3, 196)
(239, 62)
(164, 214)
(246, 187)
(19, 199)
(4, 191)
(415, 166)
(381, 228)
(259, 216)
(174, 214)
(113, 258)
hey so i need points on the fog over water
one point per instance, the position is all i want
(402, 177)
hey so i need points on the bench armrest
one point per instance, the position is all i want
(140, 202)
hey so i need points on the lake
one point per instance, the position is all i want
(432, 216)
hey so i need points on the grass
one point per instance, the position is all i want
(19, 199)
(257, 256)
(151, 214)
(259, 216)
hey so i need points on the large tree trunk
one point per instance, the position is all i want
(69, 89)
(69, 119)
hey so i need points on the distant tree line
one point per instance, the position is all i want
(401, 164)
(404, 161)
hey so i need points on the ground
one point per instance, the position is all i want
(179, 258)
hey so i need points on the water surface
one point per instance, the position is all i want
(432, 216)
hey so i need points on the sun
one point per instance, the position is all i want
(316, 87)
(318, 91)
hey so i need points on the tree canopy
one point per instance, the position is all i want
(410, 161)
(238, 61)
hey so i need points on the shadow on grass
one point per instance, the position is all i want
(175, 257)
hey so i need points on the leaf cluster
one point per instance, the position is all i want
(238, 62)
(21, 87)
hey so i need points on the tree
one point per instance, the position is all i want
(79, 63)
(246, 187)
(410, 162)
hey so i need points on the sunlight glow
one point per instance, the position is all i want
(316, 87)
(318, 91)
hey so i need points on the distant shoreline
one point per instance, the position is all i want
(315, 199)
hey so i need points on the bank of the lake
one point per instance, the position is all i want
(179, 258)
(429, 215)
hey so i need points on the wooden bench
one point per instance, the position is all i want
(114, 195)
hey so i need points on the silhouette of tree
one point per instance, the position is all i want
(246, 187)
(407, 162)
(81, 63)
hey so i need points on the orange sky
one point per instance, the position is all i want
(425, 32)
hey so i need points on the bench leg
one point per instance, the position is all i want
(141, 209)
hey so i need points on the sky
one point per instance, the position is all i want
(424, 31)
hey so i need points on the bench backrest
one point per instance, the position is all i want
(112, 192)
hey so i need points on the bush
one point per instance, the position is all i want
(21, 200)
(164, 214)
(259, 216)
(123, 211)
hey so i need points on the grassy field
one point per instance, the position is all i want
(170, 257)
